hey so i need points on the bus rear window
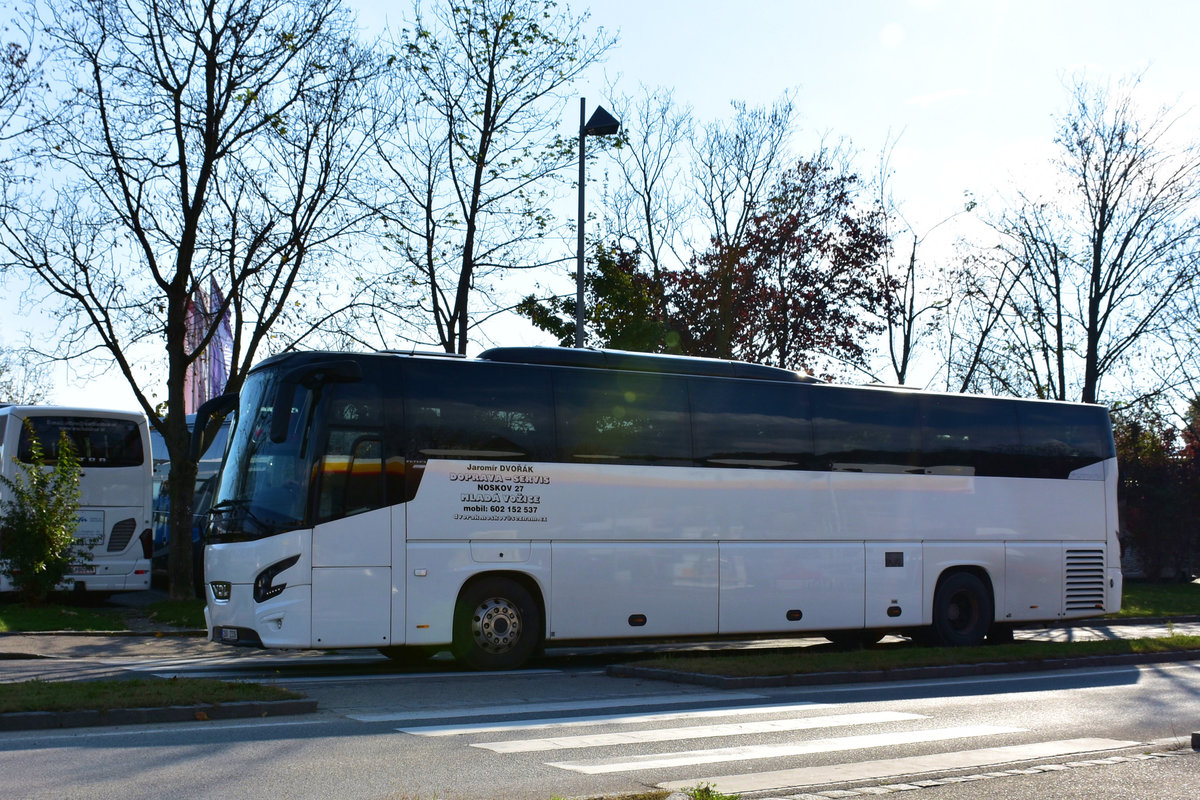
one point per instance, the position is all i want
(98, 442)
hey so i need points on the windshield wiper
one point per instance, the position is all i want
(228, 505)
(240, 504)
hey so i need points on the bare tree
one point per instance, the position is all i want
(199, 143)
(1100, 268)
(737, 162)
(916, 293)
(476, 155)
(22, 378)
(976, 333)
(647, 204)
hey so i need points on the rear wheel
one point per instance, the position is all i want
(962, 610)
(497, 624)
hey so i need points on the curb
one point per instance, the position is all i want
(49, 720)
(898, 674)
(176, 633)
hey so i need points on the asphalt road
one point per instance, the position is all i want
(566, 729)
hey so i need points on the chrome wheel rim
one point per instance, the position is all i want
(496, 625)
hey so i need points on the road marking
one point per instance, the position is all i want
(748, 753)
(891, 768)
(611, 719)
(566, 705)
(695, 732)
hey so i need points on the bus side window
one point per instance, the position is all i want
(622, 417)
(765, 425)
(966, 435)
(865, 430)
(1057, 439)
(491, 411)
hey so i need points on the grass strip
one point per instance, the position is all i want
(38, 695)
(1142, 599)
(178, 613)
(804, 661)
(54, 617)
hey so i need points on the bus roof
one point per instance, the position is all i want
(639, 362)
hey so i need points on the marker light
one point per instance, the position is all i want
(263, 588)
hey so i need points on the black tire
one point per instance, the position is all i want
(497, 625)
(854, 639)
(962, 610)
(1000, 633)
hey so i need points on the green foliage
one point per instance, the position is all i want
(623, 307)
(1159, 494)
(706, 791)
(37, 527)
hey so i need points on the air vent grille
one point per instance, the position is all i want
(122, 532)
(1084, 580)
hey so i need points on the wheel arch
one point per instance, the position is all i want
(965, 613)
(978, 570)
(984, 560)
(526, 581)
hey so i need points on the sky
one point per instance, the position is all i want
(967, 90)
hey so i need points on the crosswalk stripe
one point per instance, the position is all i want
(610, 719)
(747, 753)
(891, 768)
(695, 732)
(538, 708)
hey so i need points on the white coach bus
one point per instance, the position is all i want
(114, 486)
(536, 495)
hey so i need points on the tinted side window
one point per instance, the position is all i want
(350, 473)
(751, 424)
(98, 442)
(1060, 438)
(866, 430)
(622, 417)
(971, 435)
(466, 410)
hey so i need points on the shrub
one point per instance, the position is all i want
(38, 548)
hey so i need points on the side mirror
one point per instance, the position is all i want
(218, 405)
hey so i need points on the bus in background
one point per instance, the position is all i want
(206, 473)
(114, 486)
(534, 496)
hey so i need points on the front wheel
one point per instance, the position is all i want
(962, 610)
(497, 624)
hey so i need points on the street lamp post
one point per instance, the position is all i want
(601, 123)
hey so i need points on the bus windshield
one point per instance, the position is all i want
(263, 486)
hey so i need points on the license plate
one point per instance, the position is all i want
(82, 570)
(229, 634)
